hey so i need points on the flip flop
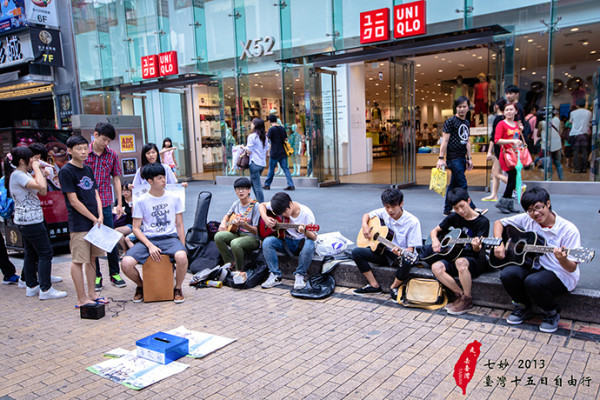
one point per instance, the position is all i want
(85, 305)
(101, 300)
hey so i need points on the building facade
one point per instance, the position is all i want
(363, 87)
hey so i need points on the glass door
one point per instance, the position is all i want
(495, 78)
(174, 126)
(322, 132)
(402, 131)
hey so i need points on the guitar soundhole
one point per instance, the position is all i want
(375, 235)
(445, 241)
(519, 246)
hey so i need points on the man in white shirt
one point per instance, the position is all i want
(552, 273)
(407, 235)
(580, 120)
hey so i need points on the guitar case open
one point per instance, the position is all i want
(202, 252)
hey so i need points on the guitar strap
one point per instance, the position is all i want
(249, 209)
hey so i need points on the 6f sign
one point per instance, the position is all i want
(255, 48)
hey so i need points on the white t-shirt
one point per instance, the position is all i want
(580, 120)
(306, 217)
(158, 214)
(407, 229)
(28, 210)
(563, 233)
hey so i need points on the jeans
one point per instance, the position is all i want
(272, 245)
(283, 163)
(363, 256)
(457, 167)
(524, 285)
(554, 158)
(113, 256)
(580, 153)
(38, 255)
(7, 267)
(511, 184)
(239, 244)
(255, 171)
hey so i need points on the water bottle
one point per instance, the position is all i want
(216, 284)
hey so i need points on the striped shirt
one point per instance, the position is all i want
(104, 166)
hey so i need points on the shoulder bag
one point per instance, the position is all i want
(243, 161)
(510, 155)
(422, 293)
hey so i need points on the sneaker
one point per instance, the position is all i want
(519, 314)
(13, 280)
(55, 279)
(299, 283)
(139, 294)
(178, 296)
(367, 289)
(273, 280)
(550, 321)
(116, 281)
(52, 294)
(394, 293)
(481, 211)
(450, 306)
(22, 284)
(464, 305)
(267, 187)
(98, 285)
(289, 188)
(227, 266)
(34, 291)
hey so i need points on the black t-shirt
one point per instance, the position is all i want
(497, 120)
(478, 227)
(520, 115)
(277, 136)
(81, 182)
(459, 137)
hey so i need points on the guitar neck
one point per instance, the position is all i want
(539, 249)
(459, 241)
(387, 243)
(281, 225)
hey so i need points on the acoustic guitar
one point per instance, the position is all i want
(522, 248)
(453, 244)
(283, 223)
(381, 238)
(231, 227)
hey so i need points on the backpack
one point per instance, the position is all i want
(534, 149)
(321, 285)
(7, 205)
(256, 273)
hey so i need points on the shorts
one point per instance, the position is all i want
(481, 107)
(83, 251)
(169, 245)
(475, 267)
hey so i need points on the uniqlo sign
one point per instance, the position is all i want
(162, 64)
(409, 19)
(168, 63)
(150, 66)
(374, 25)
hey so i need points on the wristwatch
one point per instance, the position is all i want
(468, 158)
(441, 158)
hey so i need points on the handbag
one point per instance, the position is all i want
(510, 155)
(243, 161)
(438, 181)
(289, 150)
(423, 293)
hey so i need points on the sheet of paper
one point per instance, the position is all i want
(175, 188)
(103, 237)
(201, 343)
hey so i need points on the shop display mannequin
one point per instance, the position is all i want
(229, 143)
(296, 142)
(460, 89)
(418, 118)
(376, 115)
(481, 98)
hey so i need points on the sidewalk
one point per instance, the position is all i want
(286, 348)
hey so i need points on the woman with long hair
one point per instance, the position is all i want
(494, 153)
(508, 135)
(257, 146)
(150, 154)
(29, 218)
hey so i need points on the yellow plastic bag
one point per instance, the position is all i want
(438, 181)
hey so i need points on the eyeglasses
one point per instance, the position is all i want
(535, 209)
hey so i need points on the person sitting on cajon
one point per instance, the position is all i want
(238, 229)
(161, 212)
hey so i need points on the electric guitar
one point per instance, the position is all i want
(281, 226)
(453, 245)
(522, 248)
(381, 238)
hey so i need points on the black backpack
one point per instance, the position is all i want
(256, 273)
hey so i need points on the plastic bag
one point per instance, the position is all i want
(438, 181)
(329, 244)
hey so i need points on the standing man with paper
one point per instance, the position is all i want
(85, 210)
(104, 163)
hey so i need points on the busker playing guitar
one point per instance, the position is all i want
(298, 240)
(471, 262)
(407, 235)
(551, 273)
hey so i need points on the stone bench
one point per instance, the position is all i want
(580, 305)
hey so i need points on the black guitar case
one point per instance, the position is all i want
(202, 252)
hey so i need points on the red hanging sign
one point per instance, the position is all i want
(374, 25)
(150, 66)
(168, 63)
(409, 19)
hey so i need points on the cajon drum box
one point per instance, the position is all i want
(158, 279)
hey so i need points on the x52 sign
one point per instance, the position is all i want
(408, 20)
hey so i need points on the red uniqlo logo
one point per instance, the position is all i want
(409, 19)
(374, 25)
(168, 63)
(150, 66)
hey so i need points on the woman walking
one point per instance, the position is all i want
(494, 153)
(508, 135)
(257, 148)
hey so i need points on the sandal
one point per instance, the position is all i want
(101, 300)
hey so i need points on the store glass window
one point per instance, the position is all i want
(86, 41)
(219, 29)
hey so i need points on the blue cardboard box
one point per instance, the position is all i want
(162, 347)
